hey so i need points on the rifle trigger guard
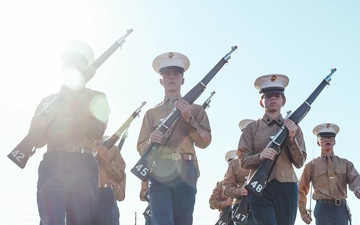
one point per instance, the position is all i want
(278, 150)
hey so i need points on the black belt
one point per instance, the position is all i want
(177, 156)
(70, 149)
(336, 202)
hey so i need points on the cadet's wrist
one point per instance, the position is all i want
(191, 123)
(188, 120)
(222, 204)
(292, 142)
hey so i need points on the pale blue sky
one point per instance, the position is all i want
(302, 39)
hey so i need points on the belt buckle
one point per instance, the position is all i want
(175, 156)
(104, 185)
(337, 202)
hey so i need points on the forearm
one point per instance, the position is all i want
(217, 204)
(233, 192)
(303, 188)
(297, 151)
(249, 162)
(200, 136)
(119, 193)
(117, 175)
(143, 146)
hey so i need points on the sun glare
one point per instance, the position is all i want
(31, 45)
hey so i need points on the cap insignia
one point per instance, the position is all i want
(273, 78)
(171, 54)
(327, 125)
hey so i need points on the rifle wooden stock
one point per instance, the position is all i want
(241, 213)
(24, 149)
(258, 180)
(225, 216)
(147, 212)
(143, 166)
(110, 142)
(21, 153)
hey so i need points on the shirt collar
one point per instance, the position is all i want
(269, 121)
(173, 99)
(324, 157)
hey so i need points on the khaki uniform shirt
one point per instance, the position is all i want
(115, 171)
(256, 137)
(180, 140)
(316, 173)
(218, 199)
(78, 123)
(234, 180)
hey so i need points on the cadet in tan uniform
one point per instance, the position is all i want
(233, 184)
(111, 175)
(278, 203)
(218, 200)
(68, 173)
(329, 175)
(173, 179)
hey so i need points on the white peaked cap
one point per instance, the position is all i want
(243, 123)
(171, 61)
(326, 129)
(271, 83)
(230, 155)
(79, 47)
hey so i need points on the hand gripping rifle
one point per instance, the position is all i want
(258, 180)
(21, 153)
(142, 167)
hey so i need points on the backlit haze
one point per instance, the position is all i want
(302, 39)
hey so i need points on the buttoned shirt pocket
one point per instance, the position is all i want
(341, 178)
(340, 170)
(320, 179)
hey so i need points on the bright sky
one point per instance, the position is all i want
(302, 39)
